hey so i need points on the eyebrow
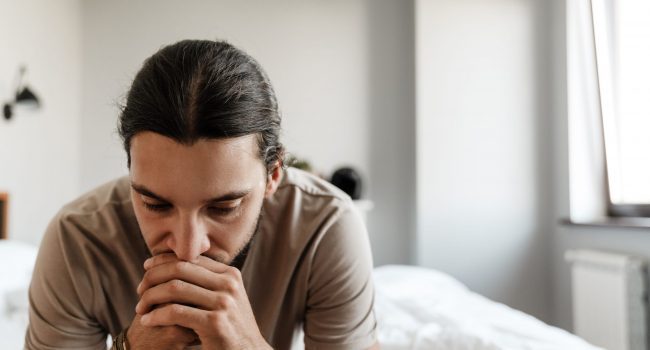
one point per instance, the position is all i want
(141, 189)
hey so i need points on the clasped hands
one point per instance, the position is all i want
(186, 303)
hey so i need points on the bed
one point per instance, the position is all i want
(417, 309)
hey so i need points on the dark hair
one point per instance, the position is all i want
(201, 89)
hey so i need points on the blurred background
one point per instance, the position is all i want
(454, 112)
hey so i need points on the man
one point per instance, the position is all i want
(208, 240)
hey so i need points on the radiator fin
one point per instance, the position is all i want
(609, 299)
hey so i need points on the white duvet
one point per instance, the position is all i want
(16, 265)
(420, 308)
(416, 309)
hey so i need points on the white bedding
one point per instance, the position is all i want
(417, 309)
(420, 308)
(16, 265)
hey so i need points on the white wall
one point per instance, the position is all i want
(342, 71)
(483, 151)
(39, 150)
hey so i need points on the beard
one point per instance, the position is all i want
(240, 257)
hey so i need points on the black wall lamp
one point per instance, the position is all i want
(23, 96)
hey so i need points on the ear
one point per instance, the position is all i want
(273, 180)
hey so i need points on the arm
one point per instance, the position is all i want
(61, 296)
(340, 300)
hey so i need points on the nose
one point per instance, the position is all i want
(190, 239)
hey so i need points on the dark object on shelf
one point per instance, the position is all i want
(348, 180)
(24, 96)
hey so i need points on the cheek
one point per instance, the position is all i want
(231, 234)
(151, 227)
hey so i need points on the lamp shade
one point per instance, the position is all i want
(26, 97)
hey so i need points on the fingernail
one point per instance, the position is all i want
(145, 319)
(137, 307)
(147, 263)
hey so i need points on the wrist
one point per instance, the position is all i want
(120, 342)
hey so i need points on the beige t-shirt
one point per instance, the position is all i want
(309, 266)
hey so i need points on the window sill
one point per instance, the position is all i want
(615, 222)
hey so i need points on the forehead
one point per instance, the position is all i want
(207, 167)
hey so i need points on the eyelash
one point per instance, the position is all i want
(223, 211)
(164, 207)
(157, 207)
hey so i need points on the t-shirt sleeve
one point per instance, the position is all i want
(340, 299)
(61, 294)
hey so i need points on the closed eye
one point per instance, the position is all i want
(222, 210)
(157, 207)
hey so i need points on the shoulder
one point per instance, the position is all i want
(308, 192)
(99, 224)
(307, 212)
(100, 211)
(111, 194)
(312, 215)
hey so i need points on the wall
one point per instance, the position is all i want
(39, 150)
(391, 90)
(484, 169)
(342, 70)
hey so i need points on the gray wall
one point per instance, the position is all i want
(483, 147)
(391, 87)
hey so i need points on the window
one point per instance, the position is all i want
(621, 32)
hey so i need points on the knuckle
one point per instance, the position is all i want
(224, 302)
(179, 267)
(230, 286)
(234, 272)
(176, 285)
(216, 320)
(176, 310)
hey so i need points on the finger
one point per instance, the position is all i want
(179, 292)
(159, 259)
(202, 260)
(214, 265)
(180, 270)
(177, 315)
(227, 279)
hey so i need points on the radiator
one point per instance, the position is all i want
(609, 299)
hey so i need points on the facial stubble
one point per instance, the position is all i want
(242, 252)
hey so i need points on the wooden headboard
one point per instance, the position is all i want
(4, 214)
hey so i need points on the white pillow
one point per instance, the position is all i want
(16, 265)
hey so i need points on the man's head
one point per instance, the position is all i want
(201, 131)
